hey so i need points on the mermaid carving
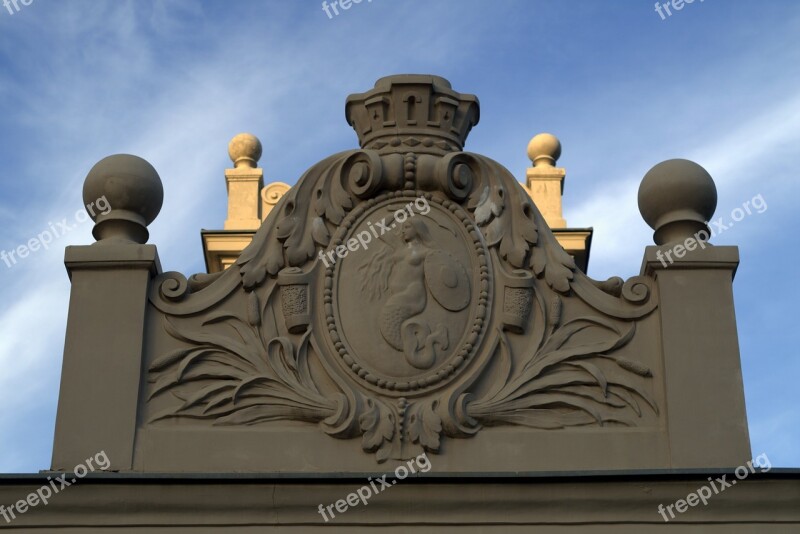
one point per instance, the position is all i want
(406, 269)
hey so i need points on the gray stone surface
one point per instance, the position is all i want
(401, 298)
(601, 503)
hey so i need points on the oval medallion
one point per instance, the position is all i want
(408, 300)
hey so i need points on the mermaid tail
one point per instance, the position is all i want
(392, 317)
(422, 346)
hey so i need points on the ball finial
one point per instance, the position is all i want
(244, 150)
(676, 198)
(131, 193)
(544, 149)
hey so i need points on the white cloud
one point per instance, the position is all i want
(733, 159)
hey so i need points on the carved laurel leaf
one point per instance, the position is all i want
(377, 423)
(493, 232)
(616, 387)
(555, 398)
(547, 419)
(253, 275)
(596, 373)
(490, 205)
(301, 364)
(299, 226)
(299, 247)
(554, 311)
(194, 399)
(561, 375)
(627, 398)
(558, 266)
(251, 381)
(246, 352)
(424, 425)
(210, 370)
(510, 222)
(170, 358)
(523, 232)
(256, 414)
(289, 223)
(331, 200)
(504, 213)
(513, 249)
(320, 232)
(591, 392)
(203, 393)
(280, 354)
(502, 362)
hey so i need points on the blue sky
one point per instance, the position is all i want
(717, 82)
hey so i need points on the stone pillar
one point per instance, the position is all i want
(103, 351)
(705, 409)
(249, 203)
(244, 183)
(544, 181)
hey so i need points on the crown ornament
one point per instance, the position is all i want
(412, 112)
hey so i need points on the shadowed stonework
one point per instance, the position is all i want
(403, 300)
(458, 310)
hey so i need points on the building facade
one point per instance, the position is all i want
(405, 339)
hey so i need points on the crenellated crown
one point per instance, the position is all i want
(412, 112)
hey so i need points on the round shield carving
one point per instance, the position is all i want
(447, 280)
(407, 292)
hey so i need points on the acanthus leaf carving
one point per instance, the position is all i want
(425, 425)
(510, 222)
(378, 426)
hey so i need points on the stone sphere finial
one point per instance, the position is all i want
(123, 195)
(676, 198)
(244, 150)
(544, 150)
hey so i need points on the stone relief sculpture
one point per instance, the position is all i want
(408, 272)
(467, 316)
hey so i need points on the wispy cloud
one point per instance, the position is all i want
(109, 87)
(173, 81)
(733, 158)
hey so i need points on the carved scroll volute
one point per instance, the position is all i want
(363, 173)
(517, 300)
(454, 174)
(295, 298)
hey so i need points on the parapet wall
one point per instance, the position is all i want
(403, 298)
